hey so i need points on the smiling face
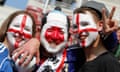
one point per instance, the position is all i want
(20, 30)
(85, 28)
(54, 37)
(54, 33)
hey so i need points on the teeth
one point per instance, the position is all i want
(84, 33)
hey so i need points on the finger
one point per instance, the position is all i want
(16, 50)
(23, 57)
(112, 13)
(104, 17)
(27, 61)
(37, 58)
(104, 14)
(17, 54)
(115, 26)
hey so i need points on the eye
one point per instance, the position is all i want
(49, 30)
(61, 32)
(27, 29)
(16, 25)
(74, 26)
(84, 23)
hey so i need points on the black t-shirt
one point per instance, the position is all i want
(103, 63)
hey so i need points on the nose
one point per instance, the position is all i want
(55, 36)
(19, 37)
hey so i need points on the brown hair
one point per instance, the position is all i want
(118, 28)
(7, 22)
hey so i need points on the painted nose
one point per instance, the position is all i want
(19, 36)
(57, 37)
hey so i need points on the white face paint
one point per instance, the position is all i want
(54, 34)
(56, 37)
(86, 28)
(20, 30)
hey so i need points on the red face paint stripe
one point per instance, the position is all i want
(16, 44)
(17, 31)
(83, 43)
(89, 30)
(77, 20)
(23, 23)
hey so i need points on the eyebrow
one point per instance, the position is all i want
(16, 25)
(27, 28)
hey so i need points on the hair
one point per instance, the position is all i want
(58, 8)
(7, 22)
(118, 28)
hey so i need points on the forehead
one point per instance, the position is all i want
(82, 17)
(22, 18)
(57, 19)
(53, 24)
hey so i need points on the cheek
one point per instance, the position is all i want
(48, 35)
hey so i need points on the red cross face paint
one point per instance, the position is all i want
(54, 37)
(20, 30)
(86, 29)
(54, 33)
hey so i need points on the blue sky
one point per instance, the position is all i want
(20, 4)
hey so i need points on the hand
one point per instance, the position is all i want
(31, 48)
(110, 24)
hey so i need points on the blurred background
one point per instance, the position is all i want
(43, 6)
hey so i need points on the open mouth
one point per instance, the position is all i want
(53, 45)
(83, 35)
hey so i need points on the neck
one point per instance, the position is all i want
(93, 51)
(5, 42)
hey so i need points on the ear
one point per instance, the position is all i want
(100, 25)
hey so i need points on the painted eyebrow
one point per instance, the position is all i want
(16, 25)
(27, 28)
(84, 23)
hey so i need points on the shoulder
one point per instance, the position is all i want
(108, 60)
(3, 53)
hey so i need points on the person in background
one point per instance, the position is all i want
(117, 50)
(73, 4)
(90, 23)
